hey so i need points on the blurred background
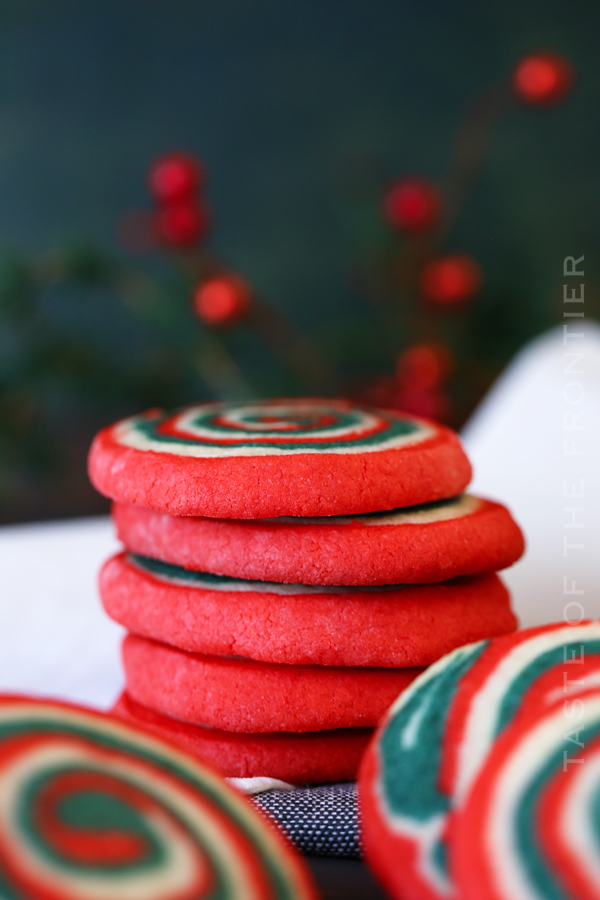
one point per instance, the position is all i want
(234, 199)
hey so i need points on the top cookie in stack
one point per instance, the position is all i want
(302, 497)
(277, 458)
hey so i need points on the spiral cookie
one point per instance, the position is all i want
(403, 811)
(312, 757)
(434, 542)
(502, 682)
(243, 695)
(94, 809)
(439, 733)
(530, 826)
(276, 458)
(301, 624)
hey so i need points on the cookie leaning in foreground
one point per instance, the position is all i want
(277, 458)
(92, 808)
(438, 736)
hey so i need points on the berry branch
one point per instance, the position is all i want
(200, 329)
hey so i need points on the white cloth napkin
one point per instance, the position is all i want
(517, 440)
(55, 639)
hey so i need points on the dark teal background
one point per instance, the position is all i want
(284, 102)
(302, 113)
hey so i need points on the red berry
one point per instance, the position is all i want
(412, 205)
(450, 280)
(433, 404)
(222, 300)
(543, 79)
(175, 177)
(181, 224)
(424, 367)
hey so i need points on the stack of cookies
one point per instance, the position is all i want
(290, 567)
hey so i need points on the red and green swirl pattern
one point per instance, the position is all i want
(93, 808)
(530, 827)
(441, 730)
(270, 428)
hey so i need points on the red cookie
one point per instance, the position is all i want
(244, 695)
(462, 536)
(277, 457)
(313, 757)
(280, 623)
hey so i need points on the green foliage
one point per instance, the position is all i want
(66, 370)
(17, 288)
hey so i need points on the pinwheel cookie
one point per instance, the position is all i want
(93, 808)
(277, 458)
(530, 826)
(438, 735)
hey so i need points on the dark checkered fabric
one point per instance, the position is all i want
(320, 820)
